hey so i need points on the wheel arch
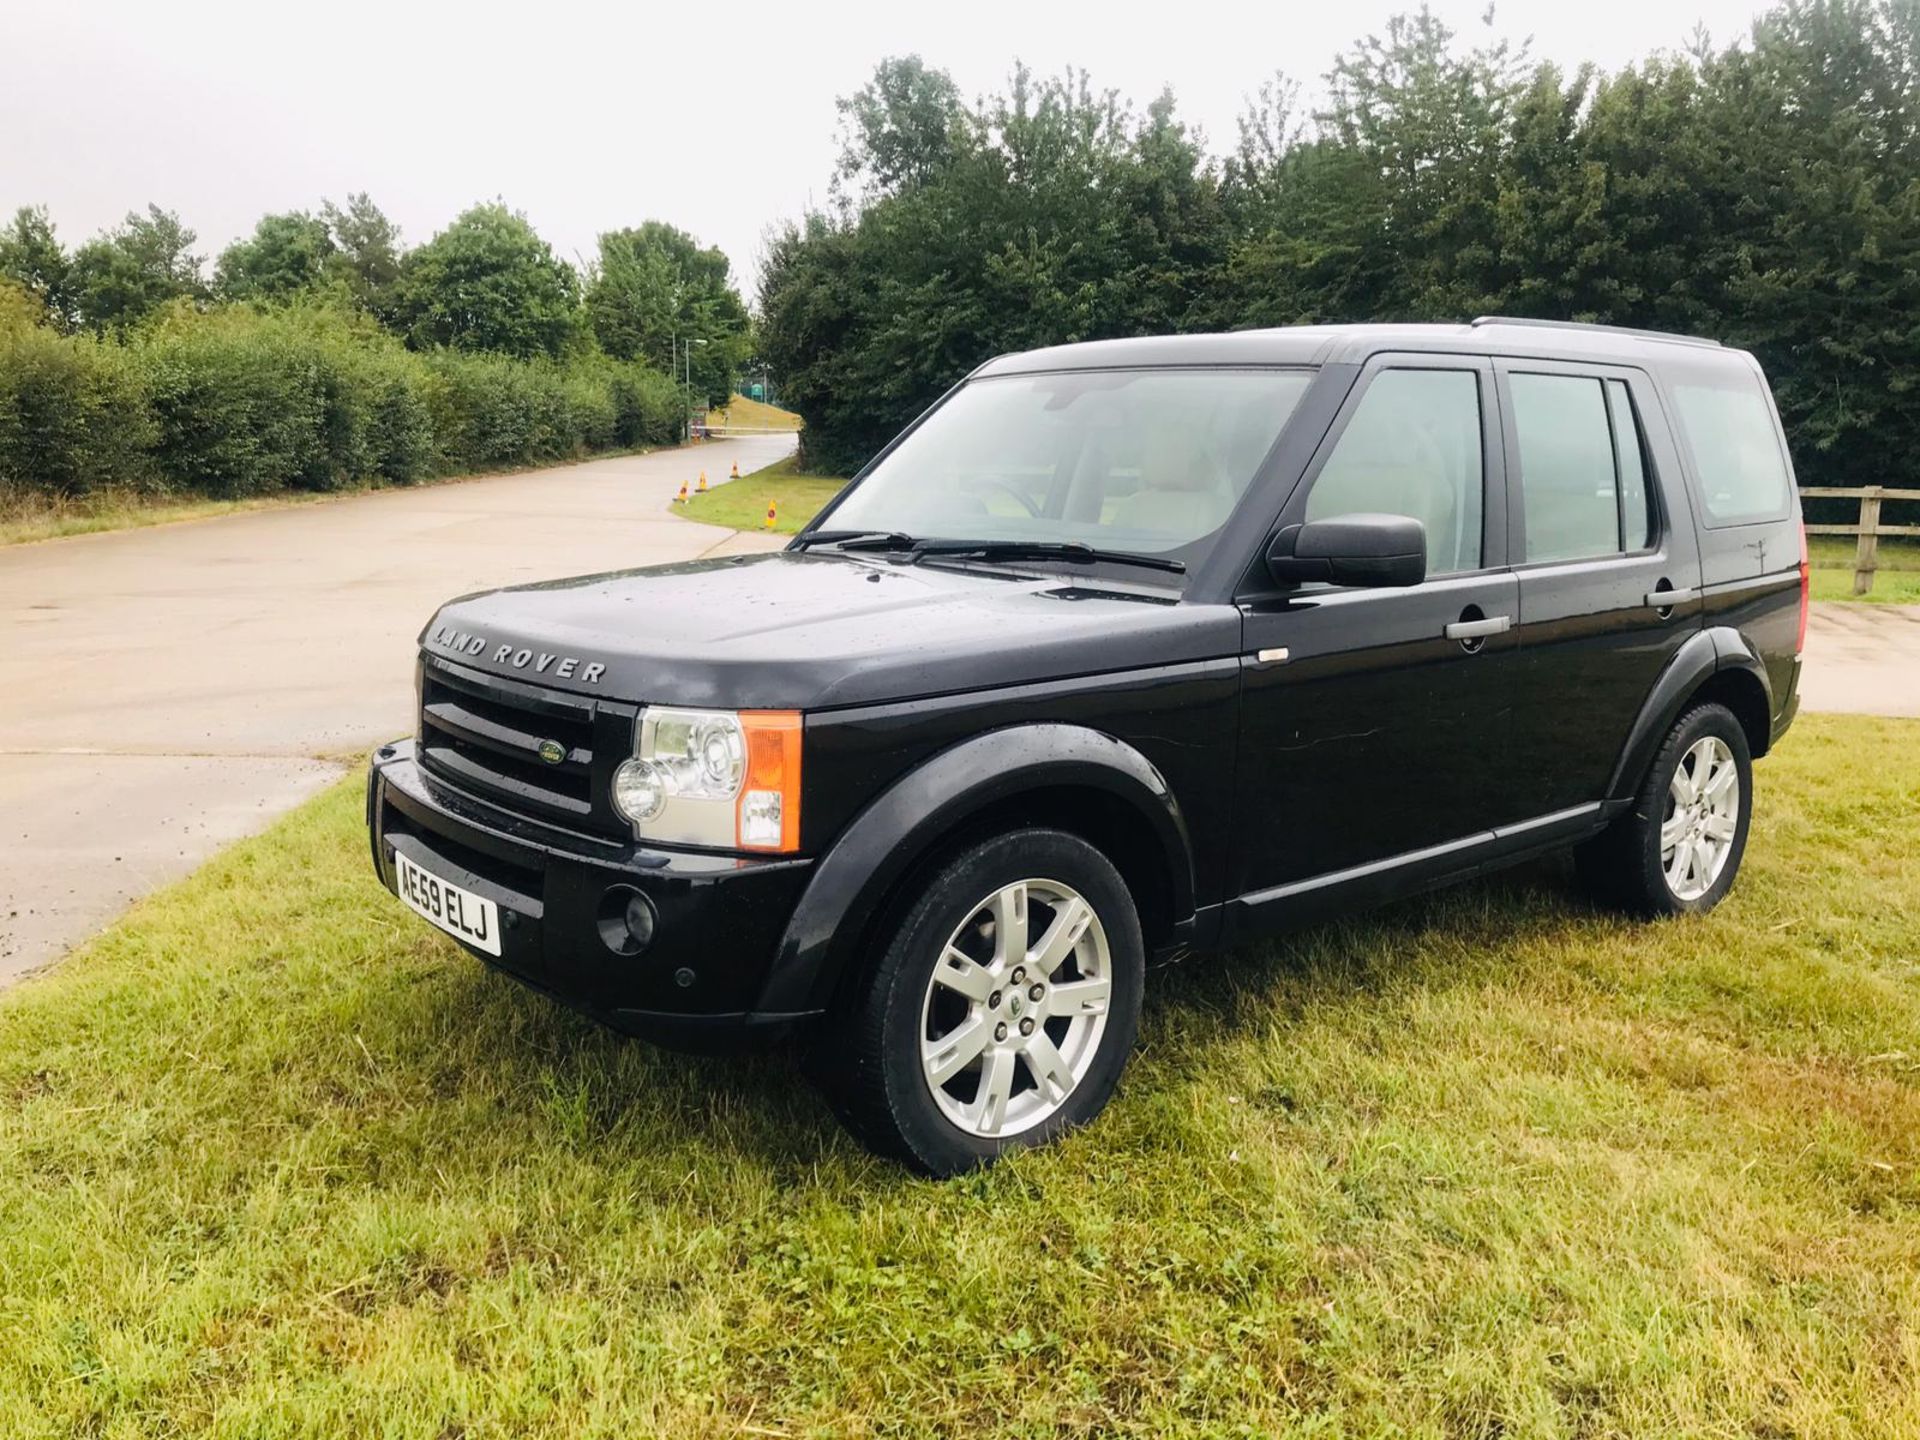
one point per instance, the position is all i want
(1064, 777)
(1745, 694)
(1714, 665)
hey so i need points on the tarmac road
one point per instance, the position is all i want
(167, 690)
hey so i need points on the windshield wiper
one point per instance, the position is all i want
(1074, 550)
(859, 539)
(1046, 550)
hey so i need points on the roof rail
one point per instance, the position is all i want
(1666, 335)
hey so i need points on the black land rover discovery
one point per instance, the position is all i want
(1120, 649)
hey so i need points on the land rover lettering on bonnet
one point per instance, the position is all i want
(1122, 650)
(564, 667)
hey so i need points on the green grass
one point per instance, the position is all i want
(754, 414)
(277, 1160)
(743, 503)
(28, 518)
(1895, 582)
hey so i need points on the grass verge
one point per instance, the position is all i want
(754, 414)
(1895, 582)
(743, 503)
(25, 520)
(276, 1160)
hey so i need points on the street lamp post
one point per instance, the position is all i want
(687, 355)
(680, 367)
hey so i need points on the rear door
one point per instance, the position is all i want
(1746, 506)
(1374, 722)
(1608, 568)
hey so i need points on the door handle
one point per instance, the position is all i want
(1479, 629)
(1667, 599)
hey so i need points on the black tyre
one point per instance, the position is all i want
(1677, 851)
(1001, 1011)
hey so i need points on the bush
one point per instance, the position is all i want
(399, 424)
(484, 411)
(491, 411)
(240, 406)
(73, 414)
(236, 401)
(592, 419)
(647, 407)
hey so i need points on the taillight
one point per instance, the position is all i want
(1806, 591)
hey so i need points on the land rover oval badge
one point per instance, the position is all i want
(552, 751)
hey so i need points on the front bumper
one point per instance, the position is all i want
(719, 918)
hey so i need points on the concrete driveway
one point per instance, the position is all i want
(1863, 659)
(165, 691)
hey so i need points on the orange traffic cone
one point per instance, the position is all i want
(681, 498)
(736, 471)
(703, 484)
(770, 509)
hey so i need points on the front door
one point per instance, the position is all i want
(1374, 722)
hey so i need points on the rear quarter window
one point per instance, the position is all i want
(1729, 432)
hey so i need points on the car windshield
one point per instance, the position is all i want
(1146, 462)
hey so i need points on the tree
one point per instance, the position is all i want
(286, 254)
(32, 256)
(1766, 193)
(900, 129)
(654, 289)
(122, 276)
(1051, 212)
(366, 253)
(1811, 150)
(1436, 122)
(488, 282)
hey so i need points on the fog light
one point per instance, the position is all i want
(640, 918)
(627, 920)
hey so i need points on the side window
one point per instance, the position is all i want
(1413, 448)
(1583, 476)
(1736, 451)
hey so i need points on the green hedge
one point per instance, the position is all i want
(73, 414)
(237, 402)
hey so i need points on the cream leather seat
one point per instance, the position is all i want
(1183, 491)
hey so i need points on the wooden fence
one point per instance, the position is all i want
(1866, 554)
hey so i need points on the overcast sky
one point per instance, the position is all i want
(591, 116)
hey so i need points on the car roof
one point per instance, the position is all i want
(1330, 344)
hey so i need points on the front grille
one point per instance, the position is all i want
(482, 735)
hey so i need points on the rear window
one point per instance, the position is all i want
(1729, 431)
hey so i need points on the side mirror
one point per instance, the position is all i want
(1351, 550)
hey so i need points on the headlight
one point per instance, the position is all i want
(714, 777)
(639, 790)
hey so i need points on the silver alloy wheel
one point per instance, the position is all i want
(1702, 817)
(1014, 1012)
